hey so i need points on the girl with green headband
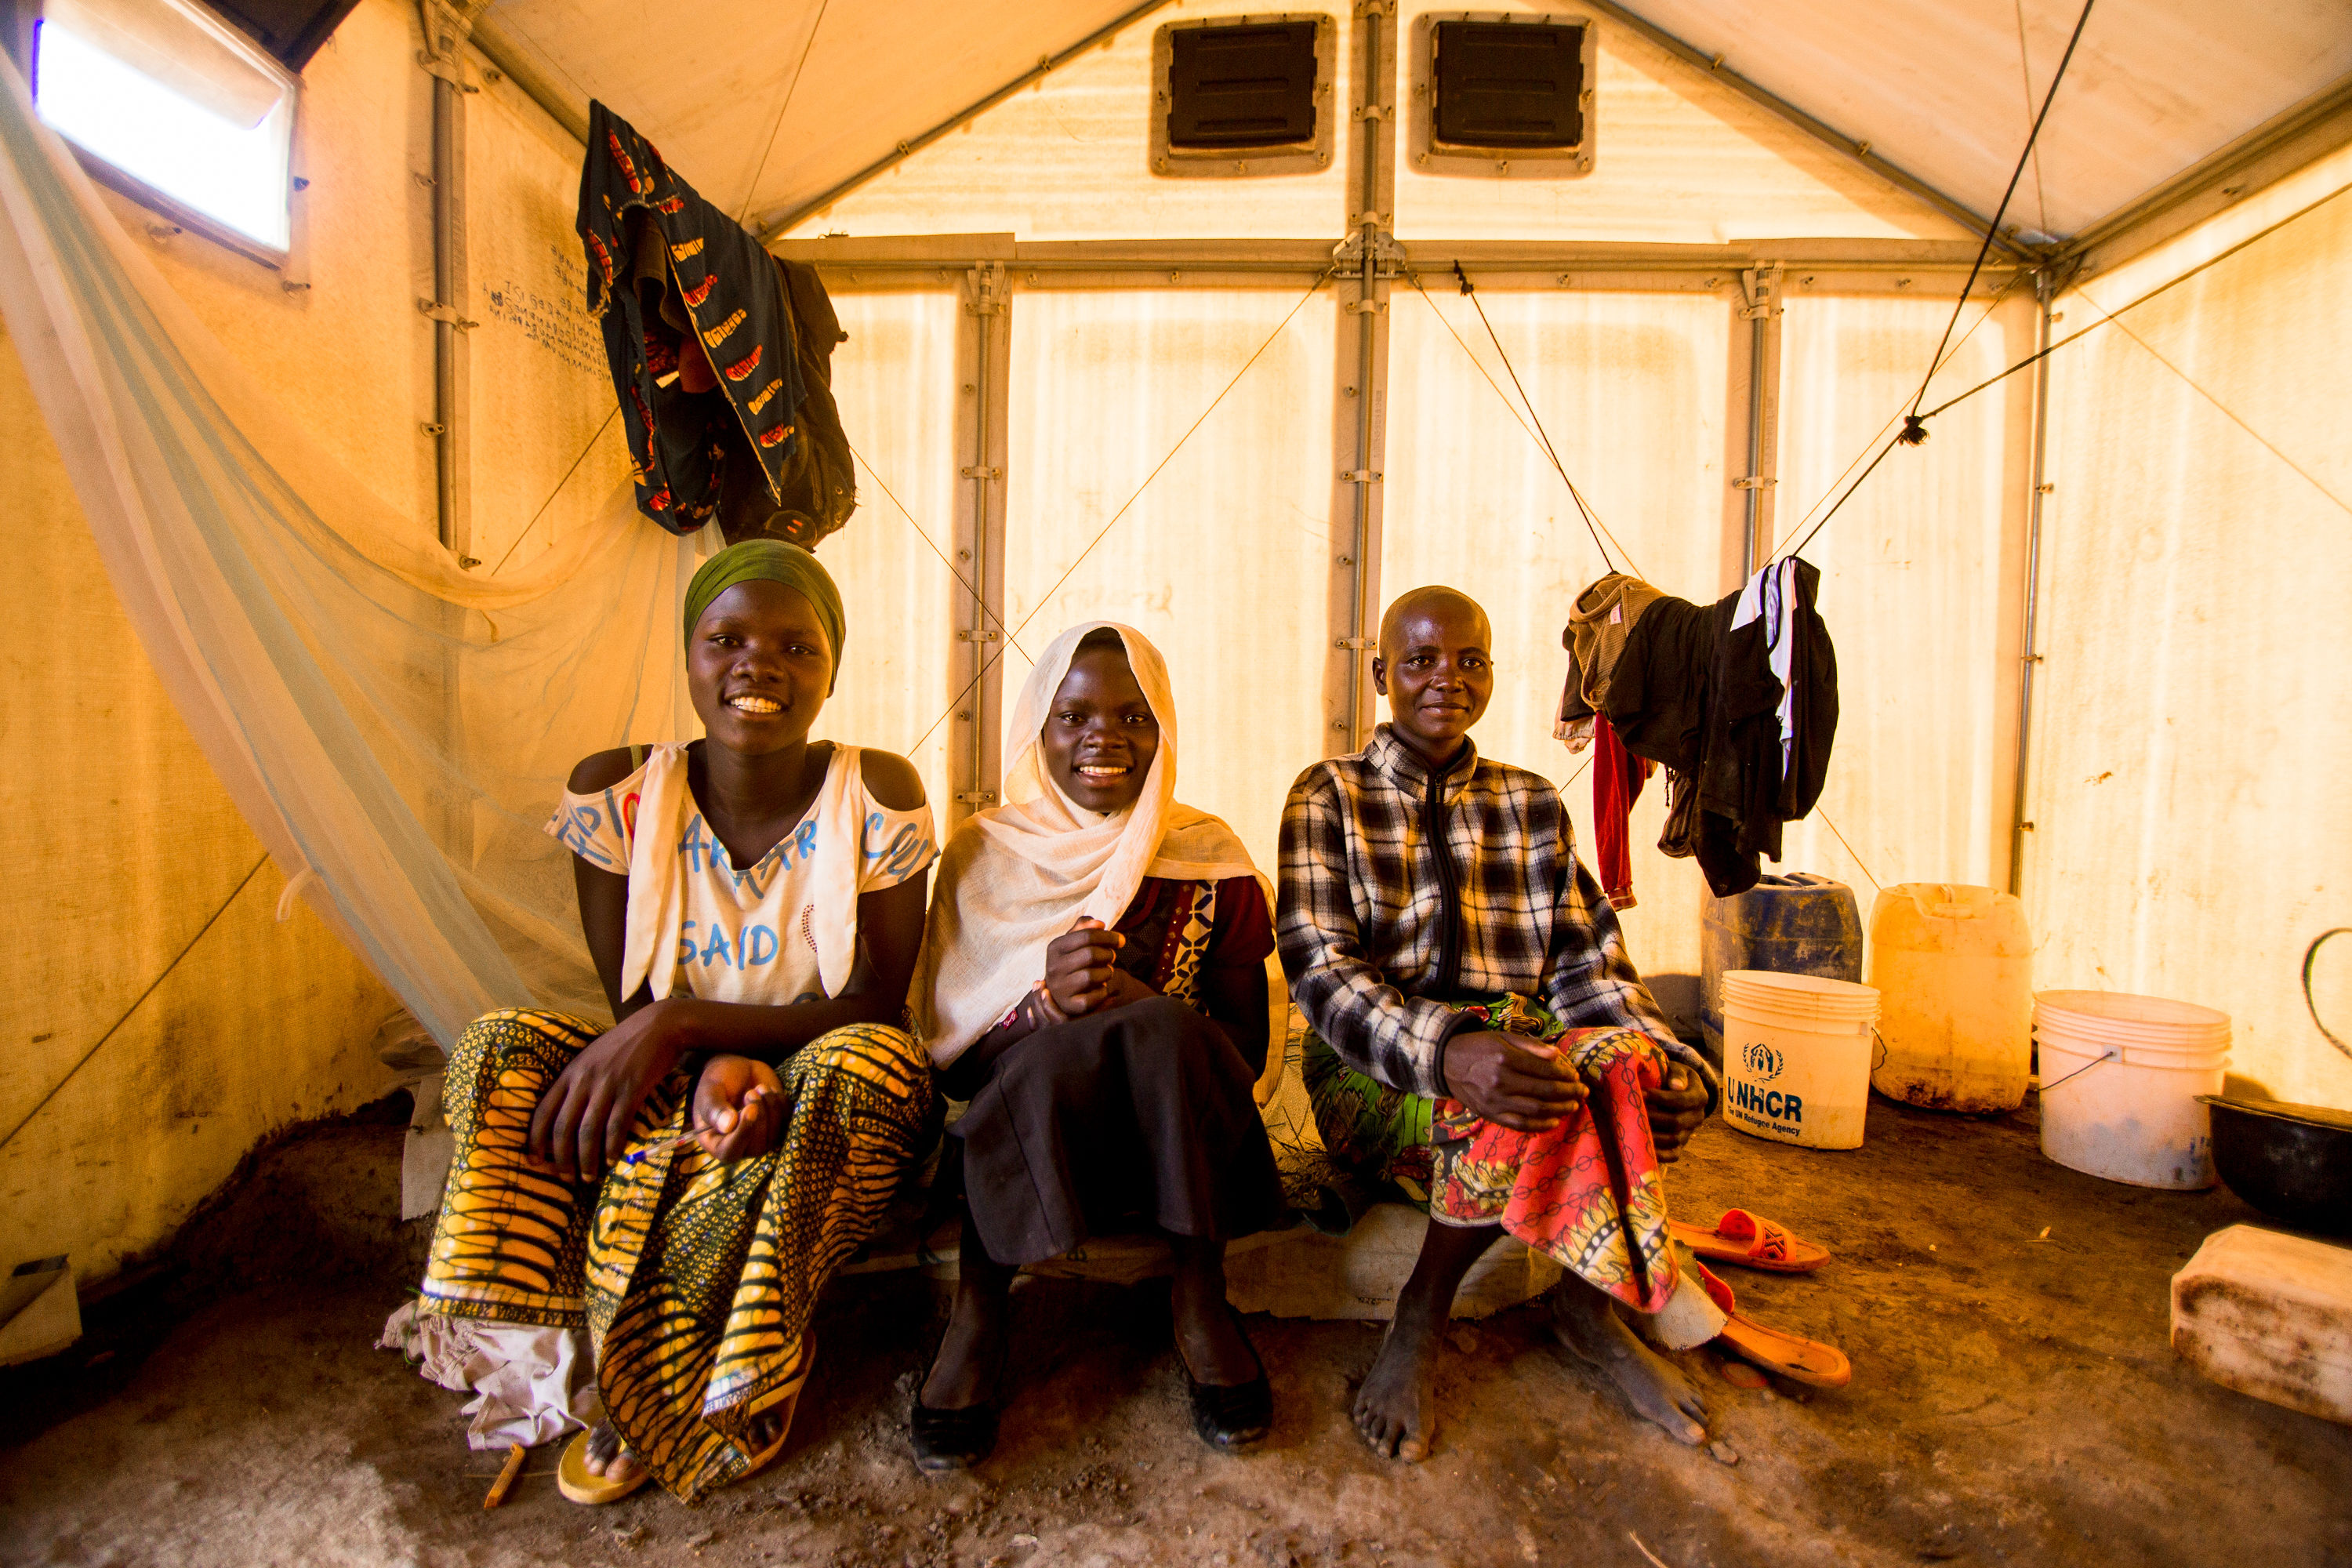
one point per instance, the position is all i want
(682, 1183)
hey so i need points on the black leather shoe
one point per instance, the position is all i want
(1230, 1417)
(953, 1439)
(961, 1438)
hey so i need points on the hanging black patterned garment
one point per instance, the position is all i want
(697, 332)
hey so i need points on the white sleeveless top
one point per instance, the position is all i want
(780, 932)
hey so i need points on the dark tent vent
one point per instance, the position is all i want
(291, 31)
(1502, 85)
(1243, 87)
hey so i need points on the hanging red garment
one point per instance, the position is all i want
(1618, 776)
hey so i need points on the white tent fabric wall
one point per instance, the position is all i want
(2192, 731)
(307, 631)
(1632, 389)
(1921, 580)
(897, 385)
(1223, 561)
(1065, 160)
(1680, 157)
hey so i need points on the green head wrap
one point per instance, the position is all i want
(769, 561)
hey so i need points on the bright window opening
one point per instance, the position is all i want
(177, 102)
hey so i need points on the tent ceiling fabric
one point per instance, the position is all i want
(709, 94)
(1936, 86)
(1945, 89)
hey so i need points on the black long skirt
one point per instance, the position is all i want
(1139, 1117)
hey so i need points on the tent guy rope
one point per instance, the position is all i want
(2210, 261)
(1914, 431)
(558, 490)
(140, 1001)
(2110, 319)
(1591, 525)
(1480, 365)
(925, 533)
(1048, 597)
(1915, 424)
(767, 148)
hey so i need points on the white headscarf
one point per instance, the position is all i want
(1016, 876)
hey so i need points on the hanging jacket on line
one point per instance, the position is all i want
(1698, 695)
(1777, 752)
(720, 354)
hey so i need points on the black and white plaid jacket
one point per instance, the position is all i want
(1399, 887)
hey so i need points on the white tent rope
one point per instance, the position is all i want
(164, 973)
(558, 490)
(1590, 513)
(768, 149)
(2224, 409)
(1048, 597)
(925, 534)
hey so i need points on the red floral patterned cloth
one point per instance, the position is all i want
(1587, 1193)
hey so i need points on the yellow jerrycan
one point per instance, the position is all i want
(1953, 966)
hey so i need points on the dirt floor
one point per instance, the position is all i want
(2014, 1401)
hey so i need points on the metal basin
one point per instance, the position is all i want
(2291, 1161)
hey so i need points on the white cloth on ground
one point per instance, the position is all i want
(531, 1385)
(1019, 875)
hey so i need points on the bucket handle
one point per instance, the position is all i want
(1880, 1060)
(2105, 1057)
(2310, 957)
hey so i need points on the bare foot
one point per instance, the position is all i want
(607, 1458)
(1586, 1322)
(766, 1427)
(1396, 1409)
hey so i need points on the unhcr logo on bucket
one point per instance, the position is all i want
(1796, 1057)
(1786, 1112)
(1749, 1104)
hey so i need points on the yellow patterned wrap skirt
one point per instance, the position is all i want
(695, 1279)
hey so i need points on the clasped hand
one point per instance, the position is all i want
(1529, 1086)
(582, 1125)
(1512, 1080)
(739, 1108)
(1083, 976)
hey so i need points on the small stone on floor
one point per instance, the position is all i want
(1723, 1452)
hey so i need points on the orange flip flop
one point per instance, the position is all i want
(1775, 1350)
(1742, 1238)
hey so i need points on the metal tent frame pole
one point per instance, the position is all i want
(1759, 288)
(2030, 652)
(1370, 243)
(445, 27)
(978, 670)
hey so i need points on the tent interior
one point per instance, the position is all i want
(347, 506)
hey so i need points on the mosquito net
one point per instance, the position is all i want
(395, 729)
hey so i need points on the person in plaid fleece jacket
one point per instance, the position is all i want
(1416, 872)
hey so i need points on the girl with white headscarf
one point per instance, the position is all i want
(1093, 982)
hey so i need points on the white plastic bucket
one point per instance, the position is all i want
(2120, 1077)
(1796, 1057)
